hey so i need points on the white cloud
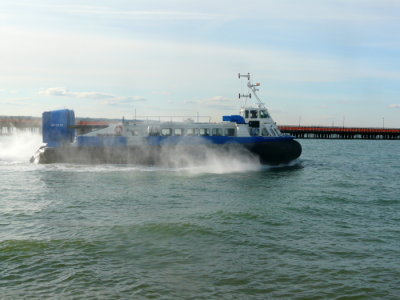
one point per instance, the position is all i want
(108, 99)
(190, 102)
(16, 101)
(394, 105)
(105, 58)
(57, 91)
(182, 13)
(162, 93)
(306, 10)
(61, 91)
(219, 102)
(122, 101)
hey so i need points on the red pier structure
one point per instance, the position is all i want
(10, 125)
(322, 132)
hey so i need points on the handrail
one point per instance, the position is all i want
(150, 118)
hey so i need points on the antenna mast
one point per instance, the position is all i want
(248, 78)
(252, 88)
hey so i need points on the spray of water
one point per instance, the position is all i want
(209, 159)
(19, 147)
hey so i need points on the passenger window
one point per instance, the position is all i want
(178, 131)
(246, 114)
(191, 131)
(154, 131)
(217, 131)
(253, 114)
(204, 131)
(229, 132)
(166, 131)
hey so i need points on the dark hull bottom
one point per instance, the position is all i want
(276, 152)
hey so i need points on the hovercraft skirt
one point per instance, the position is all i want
(274, 152)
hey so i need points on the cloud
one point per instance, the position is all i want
(394, 105)
(16, 101)
(219, 102)
(61, 91)
(113, 12)
(162, 93)
(8, 91)
(108, 99)
(123, 101)
(217, 99)
(190, 102)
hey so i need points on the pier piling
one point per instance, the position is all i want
(321, 132)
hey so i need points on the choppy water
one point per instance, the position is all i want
(325, 227)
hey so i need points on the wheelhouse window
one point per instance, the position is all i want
(253, 114)
(178, 131)
(217, 131)
(229, 132)
(166, 131)
(263, 114)
(204, 131)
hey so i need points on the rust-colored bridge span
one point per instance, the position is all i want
(321, 132)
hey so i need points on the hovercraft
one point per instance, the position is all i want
(251, 133)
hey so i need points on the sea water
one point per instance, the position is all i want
(324, 227)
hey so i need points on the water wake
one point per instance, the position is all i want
(19, 147)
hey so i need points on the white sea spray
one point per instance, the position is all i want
(19, 147)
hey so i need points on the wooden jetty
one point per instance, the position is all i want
(321, 132)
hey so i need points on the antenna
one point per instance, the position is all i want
(244, 75)
(252, 88)
(248, 78)
(245, 95)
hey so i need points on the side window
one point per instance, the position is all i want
(229, 132)
(253, 114)
(217, 131)
(191, 131)
(166, 131)
(153, 130)
(246, 114)
(204, 131)
(178, 131)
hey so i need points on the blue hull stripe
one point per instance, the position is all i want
(218, 140)
(101, 141)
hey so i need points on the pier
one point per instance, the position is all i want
(322, 132)
(10, 125)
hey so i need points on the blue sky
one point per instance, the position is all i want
(319, 62)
